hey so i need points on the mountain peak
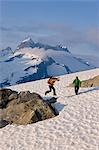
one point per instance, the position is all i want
(7, 48)
(6, 51)
(27, 40)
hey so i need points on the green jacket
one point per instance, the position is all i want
(77, 82)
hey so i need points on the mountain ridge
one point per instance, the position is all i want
(30, 43)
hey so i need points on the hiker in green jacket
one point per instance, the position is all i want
(77, 84)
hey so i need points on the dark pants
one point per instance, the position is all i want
(50, 89)
(76, 90)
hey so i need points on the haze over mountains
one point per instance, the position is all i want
(32, 61)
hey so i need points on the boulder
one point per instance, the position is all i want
(25, 108)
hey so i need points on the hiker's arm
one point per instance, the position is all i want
(56, 79)
(73, 82)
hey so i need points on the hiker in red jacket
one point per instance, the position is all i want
(51, 83)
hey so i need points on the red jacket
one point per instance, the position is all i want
(51, 81)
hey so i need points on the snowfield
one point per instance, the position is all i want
(75, 128)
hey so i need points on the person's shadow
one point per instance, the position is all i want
(59, 107)
(89, 90)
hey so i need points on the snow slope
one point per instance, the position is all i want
(15, 68)
(76, 127)
(93, 60)
(33, 61)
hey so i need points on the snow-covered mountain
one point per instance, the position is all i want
(89, 59)
(32, 61)
(7, 51)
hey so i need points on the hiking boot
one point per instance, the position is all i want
(55, 94)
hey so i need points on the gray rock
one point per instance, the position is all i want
(3, 123)
(52, 100)
(4, 97)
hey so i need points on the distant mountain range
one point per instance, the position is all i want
(33, 61)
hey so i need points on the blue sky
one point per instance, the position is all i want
(74, 24)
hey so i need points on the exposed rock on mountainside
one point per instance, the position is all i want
(91, 82)
(25, 107)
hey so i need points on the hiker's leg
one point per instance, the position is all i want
(48, 90)
(54, 92)
(76, 90)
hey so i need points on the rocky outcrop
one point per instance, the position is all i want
(25, 107)
(94, 82)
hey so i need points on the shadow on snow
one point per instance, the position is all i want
(89, 90)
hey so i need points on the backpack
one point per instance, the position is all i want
(52, 81)
(49, 81)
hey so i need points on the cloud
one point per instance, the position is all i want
(70, 36)
(32, 28)
(92, 36)
(5, 29)
(53, 34)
